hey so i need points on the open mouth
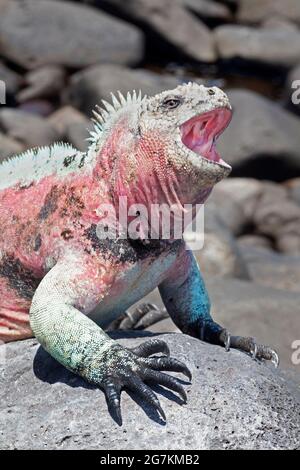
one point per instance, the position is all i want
(200, 133)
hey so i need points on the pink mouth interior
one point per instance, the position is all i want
(200, 133)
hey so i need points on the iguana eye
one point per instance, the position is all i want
(171, 103)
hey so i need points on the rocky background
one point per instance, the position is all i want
(58, 59)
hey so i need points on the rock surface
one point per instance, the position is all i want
(89, 87)
(9, 147)
(250, 309)
(255, 11)
(280, 221)
(233, 403)
(293, 186)
(173, 23)
(43, 82)
(83, 35)
(207, 9)
(220, 255)
(274, 46)
(272, 269)
(27, 128)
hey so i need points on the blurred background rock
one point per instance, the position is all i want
(59, 58)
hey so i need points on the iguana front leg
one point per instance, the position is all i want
(186, 299)
(75, 285)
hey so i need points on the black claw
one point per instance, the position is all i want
(168, 364)
(150, 318)
(258, 351)
(153, 346)
(166, 380)
(113, 395)
(161, 412)
(137, 385)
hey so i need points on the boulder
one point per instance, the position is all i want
(293, 187)
(268, 268)
(270, 46)
(65, 116)
(220, 255)
(245, 192)
(250, 309)
(77, 134)
(233, 403)
(207, 9)
(43, 82)
(172, 23)
(9, 147)
(256, 11)
(89, 86)
(258, 242)
(263, 139)
(34, 34)
(40, 107)
(227, 203)
(72, 126)
(280, 221)
(27, 128)
(280, 23)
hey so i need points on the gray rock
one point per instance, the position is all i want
(280, 23)
(260, 128)
(34, 34)
(77, 134)
(245, 192)
(173, 23)
(258, 242)
(88, 87)
(272, 269)
(207, 9)
(256, 11)
(72, 126)
(274, 46)
(65, 116)
(271, 192)
(250, 309)
(39, 107)
(280, 221)
(229, 208)
(242, 405)
(27, 128)
(8, 147)
(11, 79)
(293, 187)
(220, 255)
(44, 82)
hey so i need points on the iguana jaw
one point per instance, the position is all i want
(199, 134)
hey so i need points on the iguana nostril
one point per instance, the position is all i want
(211, 92)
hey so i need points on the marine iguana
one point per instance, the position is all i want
(62, 283)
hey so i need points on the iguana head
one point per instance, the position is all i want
(162, 149)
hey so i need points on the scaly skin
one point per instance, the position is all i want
(61, 283)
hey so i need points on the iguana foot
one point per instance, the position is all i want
(249, 345)
(211, 332)
(130, 368)
(142, 317)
